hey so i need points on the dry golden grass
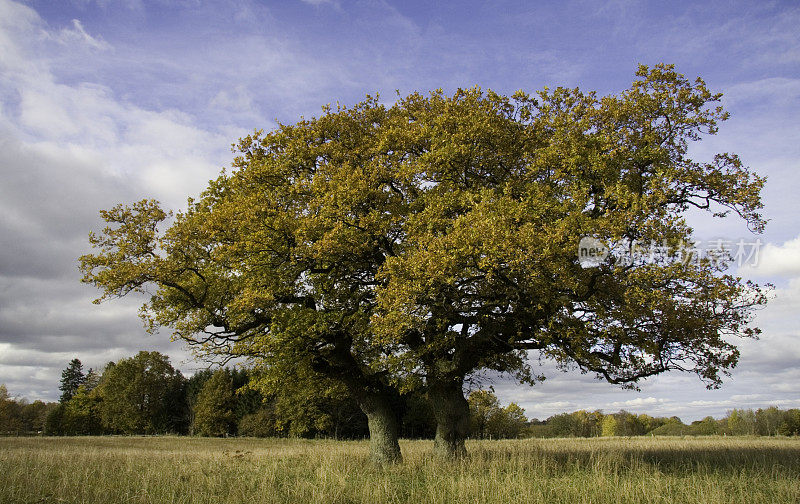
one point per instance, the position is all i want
(573, 471)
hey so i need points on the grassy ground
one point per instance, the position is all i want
(196, 470)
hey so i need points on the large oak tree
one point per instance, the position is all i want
(388, 248)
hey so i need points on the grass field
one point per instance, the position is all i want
(201, 470)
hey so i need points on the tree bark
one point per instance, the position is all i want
(381, 404)
(384, 426)
(377, 399)
(451, 410)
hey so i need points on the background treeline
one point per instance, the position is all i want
(761, 422)
(144, 394)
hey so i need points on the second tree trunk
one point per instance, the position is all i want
(451, 410)
(384, 427)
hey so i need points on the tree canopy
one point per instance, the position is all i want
(214, 409)
(140, 393)
(389, 248)
(488, 420)
(72, 377)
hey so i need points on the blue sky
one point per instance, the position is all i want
(107, 101)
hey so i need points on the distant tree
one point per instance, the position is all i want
(741, 422)
(308, 404)
(610, 426)
(579, 423)
(72, 377)
(591, 422)
(705, 427)
(650, 423)
(214, 409)
(142, 395)
(18, 416)
(82, 413)
(305, 412)
(346, 420)
(259, 424)
(302, 408)
(539, 429)
(419, 421)
(507, 423)
(92, 380)
(194, 384)
(10, 413)
(768, 420)
(54, 423)
(34, 416)
(483, 405)
(672, 427)
(247, 399)
(628, 424)
(790, 425)
(489, 420)
(562, 425)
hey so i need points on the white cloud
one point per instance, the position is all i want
(320, 2)
(639, 402)
(78, 35)
(238, 99)
(105, 4)
(776, 261)
(781, 91)
(67, 150)
(747, 397)
(163, 152)
(554, 407)
(15, 19)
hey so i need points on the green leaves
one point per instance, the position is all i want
(438, 236)
(129, 249)
(139, 395)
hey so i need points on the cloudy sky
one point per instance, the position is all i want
(107, 101)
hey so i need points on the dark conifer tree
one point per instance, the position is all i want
(71, 378)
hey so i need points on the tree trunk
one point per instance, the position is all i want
(378, 400)
(451, 410)
(384, 427)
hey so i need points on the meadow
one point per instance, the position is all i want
(706, 470)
